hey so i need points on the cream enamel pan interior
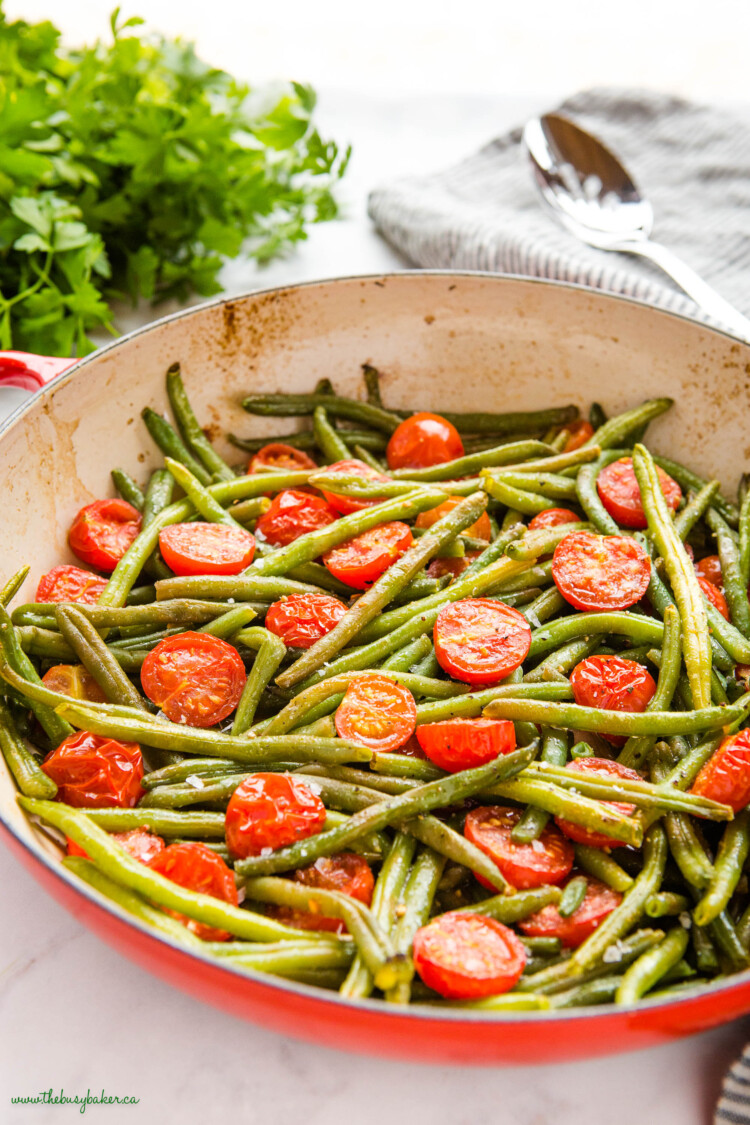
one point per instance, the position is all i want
(442, 341)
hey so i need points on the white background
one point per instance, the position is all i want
(413, 86)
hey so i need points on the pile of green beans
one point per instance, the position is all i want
(676, 859)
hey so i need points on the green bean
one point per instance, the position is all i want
(660, 597)
(695, 509)
(55, 727)
(505, 1002)
(520, 422)
(177, 612)
(304, 439)
(637, 749)
(592, 814)
(662, 723)
(405, 659)
(563, 660)
(588, 497)
(13, 585)
(190, 767)
(665, 904)
(730, 861)
(603, 867)
(598, 991)
(618, 429)
(636, 626)
(744, 538)
(392, 810)
(373, 944)
(573, 896)
(520, 500)
(510, 909)
(128, 489)
(441, 838)
(328, 440)
(193, 824)
(159, 493)
(287, 406)
(728, 637)
(371, 377)
(172, 445)
(373, 600)
(496, 549)
(270, 653)
(534, 820)
(724, 935)
(534, 544)
(213, 791)
(734, 590)
(556, 979)
(743, 927)
(190, 430)
(230, 623)
(201, 499)
(418, 896)
(247, 511)
(370, 459)
(96, 658)
(689, 480)
(470, 706)
(553, 486)
(23, 765)
(472, 463)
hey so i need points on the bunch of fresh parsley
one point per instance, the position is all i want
(134, 169)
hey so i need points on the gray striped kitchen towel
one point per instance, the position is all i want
(692, 161)
(734, 1103)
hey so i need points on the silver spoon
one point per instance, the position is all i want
(594, 197)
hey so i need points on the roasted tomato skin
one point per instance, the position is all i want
(194, 866)
(194, 677)
(467, 956)
(70, 584)
(294, 513)
(94, 772)
(726, 775)
(344, 505)
(278, 455)
(376, 712)
(579, 433)
(619, 493)
(271, 810)
(547, 860)
(714, 595)
(347, 873)
(360, 561)
(606, 768)
(462, 744)
(612, 684)
(102, 532)
(302, 619)
(710, 569)
(75, 681)
(138, 843)
(553, 517)
(479, 641)
(422, 440)
(597, 572)
(206, 548)
(598, 904)
(480, 529)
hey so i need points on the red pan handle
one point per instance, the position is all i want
(30, 372)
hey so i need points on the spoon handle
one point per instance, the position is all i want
(703, 294)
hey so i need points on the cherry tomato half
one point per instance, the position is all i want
(599, 902)
(597, 572)
(481, 529)
(547, 860)
(714, 595)
(94, 772)
(578, 433)
(70, 584)
(360, 561)
(197, 868)
(75, 681)
(604, 768)
(423, 440)
(376, 712)
(553, 517)
(461, 744)
(277, 455)
(347, 504)
(710, 569)
(302, 619)
(347, 873)
(466, 956)
(612, 684)
(206, 548)
(271, 810)
(726, 775)
(438, 568)
(619, 492)
(479, 641)
(293, 513)
(195, 678)
(138, 843)
(102, 532)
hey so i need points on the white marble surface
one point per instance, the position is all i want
(74, 1014)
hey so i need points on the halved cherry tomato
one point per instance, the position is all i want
(195, 678)
(595, 572)
(619, 492)
(94, 772)
(466, 956)
(347, 504)
(714, 595)
(423, 440)
(70, 584)
(138, 843)
(277, 455)
(271, 810)
(197, 868)
(604, 768)
(302, 619)
(599, 902)
(440, 567)
(612, 684)
(73, 680)
(579, 433)
(294, 513)
(347, 873)
(206, 548)
(547, 860)
(360, 561)
(726, 775)
(479, 641)
(710, 569)
(553, 517)
(412, 749)
(377, 712)
(102, 532)
(461, 744)
(481, 529)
